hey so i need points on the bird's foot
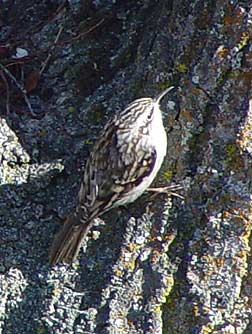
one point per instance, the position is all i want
(169, 190)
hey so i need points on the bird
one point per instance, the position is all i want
(122, 165)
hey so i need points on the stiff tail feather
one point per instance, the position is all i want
(67, 242)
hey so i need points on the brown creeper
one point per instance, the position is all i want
(122, 165)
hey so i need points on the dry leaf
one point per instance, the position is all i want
(32, 80)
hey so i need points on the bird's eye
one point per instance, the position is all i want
(149, 116)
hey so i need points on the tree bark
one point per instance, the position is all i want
(165, 264)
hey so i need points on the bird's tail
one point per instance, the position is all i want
(67, 242)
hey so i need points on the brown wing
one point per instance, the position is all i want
(116, 165)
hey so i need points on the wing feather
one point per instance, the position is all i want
(117, 164)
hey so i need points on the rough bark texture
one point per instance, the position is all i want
(165, 265)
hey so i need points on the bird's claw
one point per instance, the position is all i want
(169, 190)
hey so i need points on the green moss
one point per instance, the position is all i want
(43, 132)
(231, 151)
(8, 178)
(181, 68)
(71, 109)
(88, 142)
(208, 328)
(168, 175)
(131, 265)
(233, 157)
(243, 41)
(169, 284)
(164, 85)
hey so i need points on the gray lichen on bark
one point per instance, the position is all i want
(165, 265)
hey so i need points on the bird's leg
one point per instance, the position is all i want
(169, 190)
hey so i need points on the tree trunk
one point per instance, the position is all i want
(166, 264)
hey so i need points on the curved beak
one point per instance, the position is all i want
(161, 95)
